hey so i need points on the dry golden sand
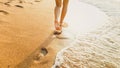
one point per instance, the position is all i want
(24, 30)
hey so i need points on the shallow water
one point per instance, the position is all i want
(97, 49)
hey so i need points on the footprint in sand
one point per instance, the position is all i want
(4, 12)
(19, 6)
(21, 1)
(37, 1)
(43, 52)
(8, 4)
(9, 1)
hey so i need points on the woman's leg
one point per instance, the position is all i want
(64, 10)
(57, 13)
(57, 9)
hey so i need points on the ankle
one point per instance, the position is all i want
(55, 21)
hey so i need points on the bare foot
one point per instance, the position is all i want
(64, 24)
(58, 28)
(57, 25)
(57, 32)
